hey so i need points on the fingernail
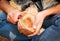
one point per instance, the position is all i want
(19, 16)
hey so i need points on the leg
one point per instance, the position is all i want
(52, 33)
(9, 30)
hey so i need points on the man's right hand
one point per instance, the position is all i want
(12, 13)
(13, 16)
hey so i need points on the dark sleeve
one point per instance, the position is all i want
(35, 0)
(58, 1)
(8, 0)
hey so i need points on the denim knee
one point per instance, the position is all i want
(51, 20)
(9, 30)
(2, 19)
(52, 32)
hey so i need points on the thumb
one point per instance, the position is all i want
(22, 14)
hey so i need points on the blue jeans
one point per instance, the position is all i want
(10, 31)
(52, 31)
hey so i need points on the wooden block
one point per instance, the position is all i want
(25, 23)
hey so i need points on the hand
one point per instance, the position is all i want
(13, 16)
(38, 23)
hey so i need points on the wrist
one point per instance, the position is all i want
(4, 5)
(53, 10)
(48, 12)
(10, 9)
(43, 13)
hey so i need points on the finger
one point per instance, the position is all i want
(7, 17)
(13, 19)
(35, 33)
(10, 20)
(22, 14)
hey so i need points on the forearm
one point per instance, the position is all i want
(53, 10)
(41, 15)
(4, 5)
